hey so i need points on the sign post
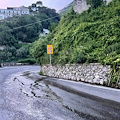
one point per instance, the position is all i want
(50, 59)
(50, 51)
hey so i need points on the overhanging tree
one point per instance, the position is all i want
(95, 3)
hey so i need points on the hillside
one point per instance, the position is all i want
(92, 36)
(66, 9)
(17, 33)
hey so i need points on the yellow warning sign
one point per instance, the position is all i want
(49, 49)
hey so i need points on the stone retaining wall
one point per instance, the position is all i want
(92, 73)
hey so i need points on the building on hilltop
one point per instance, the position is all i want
(2, 48)
(13, 11)
(18, 11)
(39, 4)
(45, 32)
(35, 6)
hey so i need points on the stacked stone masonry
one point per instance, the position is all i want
(91, 73)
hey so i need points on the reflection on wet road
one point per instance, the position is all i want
(28, 96)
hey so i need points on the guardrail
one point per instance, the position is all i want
(13, 64)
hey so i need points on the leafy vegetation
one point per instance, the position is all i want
(31, 61)
(95, 3)
(17, 39)
(38, 50)
(92, 36)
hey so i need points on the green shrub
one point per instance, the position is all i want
(41, 73)
(90, 37)
(30, 61)
(104, 83)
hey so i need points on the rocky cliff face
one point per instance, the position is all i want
(81, 5)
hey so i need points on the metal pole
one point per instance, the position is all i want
(50, 64)
(50, 59)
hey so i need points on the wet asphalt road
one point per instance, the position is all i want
(25, 98)
(7, 71)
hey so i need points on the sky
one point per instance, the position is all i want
(56, 4)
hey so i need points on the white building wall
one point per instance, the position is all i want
(24, 10)
(16, 12)
(39, 5)
(34, 8)
(2, 16)
(10, 12)
(2, 10)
